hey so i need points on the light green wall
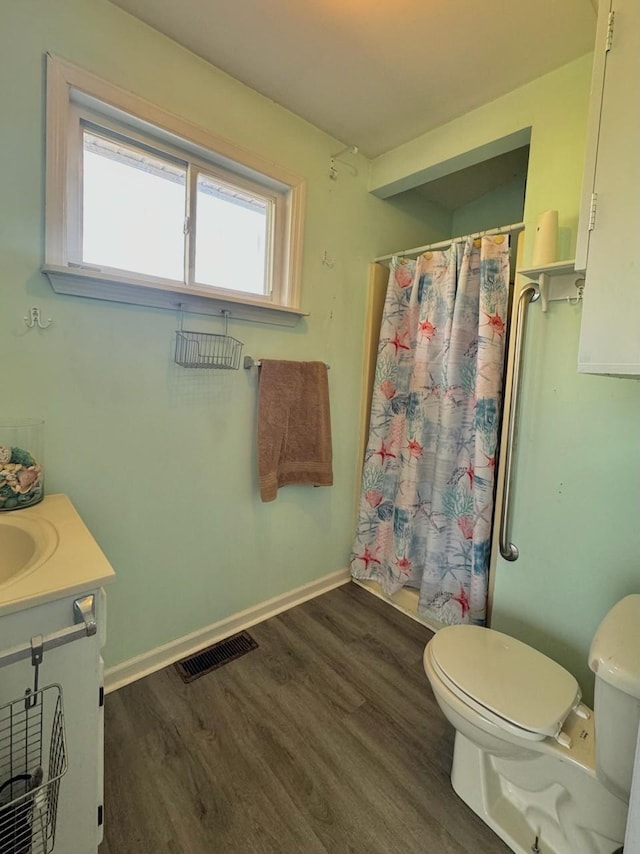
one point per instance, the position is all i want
(575, 517)
(503, 204)
(498, 207)
(159, 460)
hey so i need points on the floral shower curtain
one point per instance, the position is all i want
(428, 481)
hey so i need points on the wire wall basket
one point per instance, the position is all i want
(205, 350)
(33, 759)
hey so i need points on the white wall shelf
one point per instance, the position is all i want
(557, 281)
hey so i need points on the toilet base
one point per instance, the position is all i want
(561, 805)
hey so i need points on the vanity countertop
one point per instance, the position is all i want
(68, 559)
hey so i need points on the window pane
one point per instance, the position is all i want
(133, 209)
(232, 230)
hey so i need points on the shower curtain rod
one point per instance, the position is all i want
(504, 229)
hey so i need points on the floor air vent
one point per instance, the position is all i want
(215, 656)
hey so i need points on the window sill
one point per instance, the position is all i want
(98, 285)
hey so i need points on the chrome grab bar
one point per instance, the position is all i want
(527, 295)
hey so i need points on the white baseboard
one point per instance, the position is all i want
(148, 662)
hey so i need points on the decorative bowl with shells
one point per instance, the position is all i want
(21, 478)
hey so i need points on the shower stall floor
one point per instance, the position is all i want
(405, 600)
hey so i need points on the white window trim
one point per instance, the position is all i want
(65, 84)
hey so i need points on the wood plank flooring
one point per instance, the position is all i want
(325, 740)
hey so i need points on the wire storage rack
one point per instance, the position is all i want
(206, 350)
(33, 759)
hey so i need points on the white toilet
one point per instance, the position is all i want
(542, 770)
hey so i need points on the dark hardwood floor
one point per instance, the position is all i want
(325, 740)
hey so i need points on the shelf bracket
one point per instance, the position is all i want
(556, 281)
(544, 286)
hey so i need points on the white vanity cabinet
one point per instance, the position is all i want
(77, 668)
(52, 574)
(609, 229)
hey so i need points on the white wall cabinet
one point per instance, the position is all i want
(608, 245)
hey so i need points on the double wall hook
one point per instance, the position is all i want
(336, 158)
(33, 319)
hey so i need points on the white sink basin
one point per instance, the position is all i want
(47, 553)
(25, 543)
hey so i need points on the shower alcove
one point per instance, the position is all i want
(476, 192)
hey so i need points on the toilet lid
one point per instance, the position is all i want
(504, 675)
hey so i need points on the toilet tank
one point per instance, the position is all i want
(614, 657)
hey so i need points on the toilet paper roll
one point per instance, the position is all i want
(545, 245)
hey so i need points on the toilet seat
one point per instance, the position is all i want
(513, 685)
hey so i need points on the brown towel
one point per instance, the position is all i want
(294, 426)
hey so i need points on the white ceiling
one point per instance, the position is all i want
(377, 73)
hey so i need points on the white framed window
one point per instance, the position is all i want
(145, 207)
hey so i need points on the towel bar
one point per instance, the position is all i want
(250, 362)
